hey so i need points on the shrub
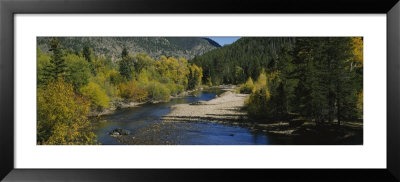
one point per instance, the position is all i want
(259, 105)
(247, 87)
(209, 81)
(175, 88)
(115, 77)
(132, 91)
(158, 91)
(262, 104)
(195, 76)
(261, 82)
(96, 94)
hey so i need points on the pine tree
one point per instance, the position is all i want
(124, 65)
(87, 54)
(329, 84)
(124, 53)
(57, 65)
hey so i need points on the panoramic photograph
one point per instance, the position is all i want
(199, 91)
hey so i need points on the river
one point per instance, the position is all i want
(145, 126)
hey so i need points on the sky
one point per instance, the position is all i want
(224, 40)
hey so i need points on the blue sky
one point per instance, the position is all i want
(224, 40)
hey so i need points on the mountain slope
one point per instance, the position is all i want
(186, 47)
(247, 56)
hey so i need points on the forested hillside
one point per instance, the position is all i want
(154, 47)
(244, 58)
(313, 77)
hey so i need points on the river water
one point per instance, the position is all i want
(146, 116)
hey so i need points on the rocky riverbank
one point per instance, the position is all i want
(115, 105)
(118, 104)
(227, 109)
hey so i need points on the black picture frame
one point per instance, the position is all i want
(9, 8)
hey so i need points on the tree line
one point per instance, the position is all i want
(319, 78)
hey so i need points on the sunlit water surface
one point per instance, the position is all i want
(191, 133)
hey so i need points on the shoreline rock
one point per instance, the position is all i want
(119, 132)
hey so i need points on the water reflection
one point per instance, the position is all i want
(190, 133)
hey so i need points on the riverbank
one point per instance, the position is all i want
(227, 107)
(200, 118)
(119, 104)
(115, 105)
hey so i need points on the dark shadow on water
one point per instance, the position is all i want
(214, 129)
(144, 117)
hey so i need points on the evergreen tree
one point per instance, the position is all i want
(124, 53)
(327, 87)
(57, 66)
(87, 53)
(124, 65)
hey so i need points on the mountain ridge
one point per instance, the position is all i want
(186, 47)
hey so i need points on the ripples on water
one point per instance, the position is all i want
(190, 133)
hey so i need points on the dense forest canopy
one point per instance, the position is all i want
(245, 58)
(315, 77)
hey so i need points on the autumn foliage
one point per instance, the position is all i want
(62, 116)
(74, 84)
